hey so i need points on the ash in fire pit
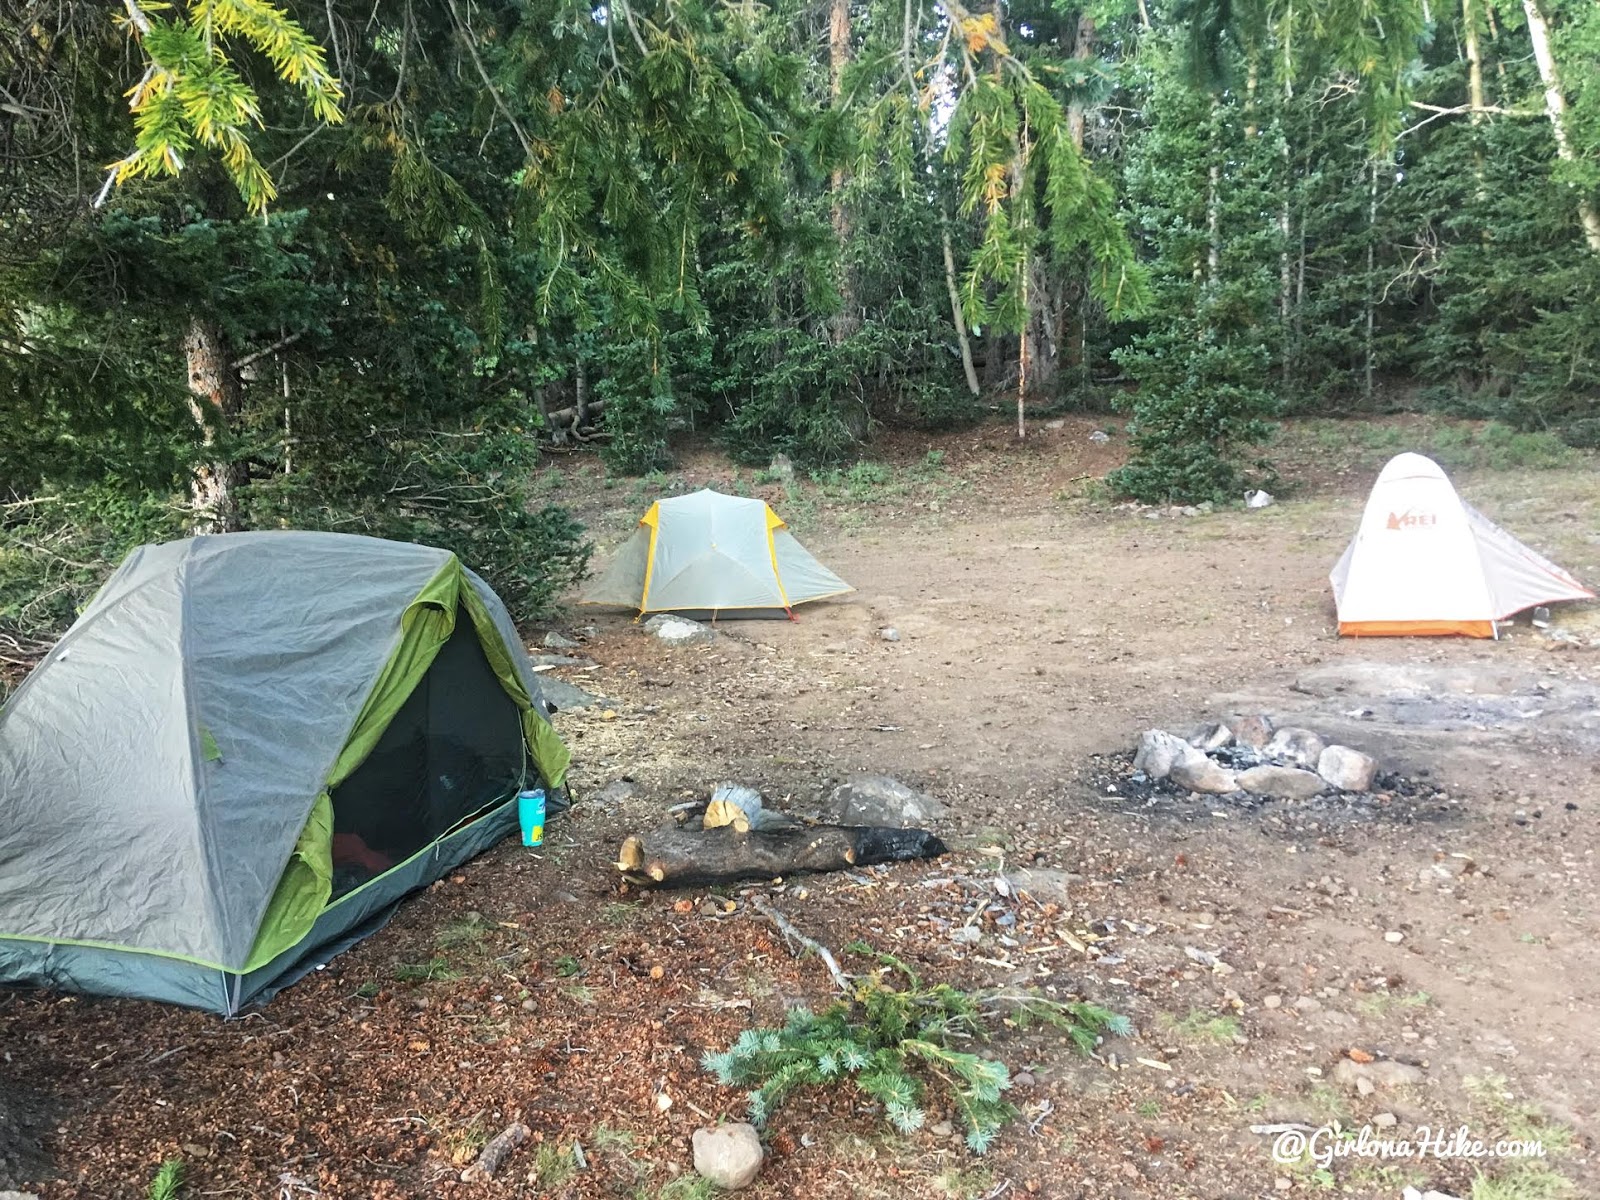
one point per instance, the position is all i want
(1249, 762)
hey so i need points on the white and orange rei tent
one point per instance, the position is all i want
(1425, 562)
(713, 555)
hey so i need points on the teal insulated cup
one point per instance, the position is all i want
(530, 812)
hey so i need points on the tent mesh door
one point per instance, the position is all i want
(454, 749)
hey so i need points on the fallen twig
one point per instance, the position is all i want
(794, 936)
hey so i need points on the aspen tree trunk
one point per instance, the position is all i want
(1555, 104)
(956, 316)
(1372, 291)
(847, 321)
(1469, 25)
(216, 397)
(1284, 276)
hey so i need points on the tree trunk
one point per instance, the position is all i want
(1214, 199)
(699, 857)
(1469, 26)
(216, 397)
(580, 394)
(1082, 49)
(1555, 105)
(957, 317)
(847, 320)
(1372, 289)
(1024, 349)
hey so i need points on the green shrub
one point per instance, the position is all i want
(890, 1043)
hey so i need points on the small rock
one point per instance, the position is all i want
(1394, 937)
(879, 800)
(1023, 1079)
(1307, 1003)
(1348, 770)
(1273, 1001)
(564, 897)
(1099, 436)
(1365, 1078)
(1254, 732)
(1210, 737)
(729, 1156)
(678, 630)
(611, 797)
(529, 1005)
(1281, 783)
(1300, 747)
(1047, 885)
(1160, 751)
(942, 1129)
(559, 641)
(1201, 774)
(966, 935)
(1386, 1120)
(19, 1196)
(1058, 423)
(1258, 499)
(889, 633)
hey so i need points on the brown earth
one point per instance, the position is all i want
(1041, 630)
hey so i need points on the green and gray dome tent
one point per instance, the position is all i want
(246, 750)
(708, 555)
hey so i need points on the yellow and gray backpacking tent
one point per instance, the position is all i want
(708, 554)
(246, 750)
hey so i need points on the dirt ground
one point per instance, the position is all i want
(1041, 629)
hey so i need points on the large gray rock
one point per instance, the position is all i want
(1201, 774)
(564, 696)
(679, 630)
(729, 1156)
(1160, 751)
(879, 800)
(1282, 783)
(1297, 747)
(1348, 770)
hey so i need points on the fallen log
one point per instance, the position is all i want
(705, 856)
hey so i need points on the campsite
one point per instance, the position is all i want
(1247, 944)
(842, 599)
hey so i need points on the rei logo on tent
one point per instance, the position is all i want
(1411, 519)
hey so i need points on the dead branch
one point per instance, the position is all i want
(499, 1146)
(794, 937)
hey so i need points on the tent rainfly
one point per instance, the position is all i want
(1425, 562)
(242, 755)
(708, 554)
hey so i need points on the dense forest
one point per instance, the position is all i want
(351, 266)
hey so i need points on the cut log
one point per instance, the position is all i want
(691, 857)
